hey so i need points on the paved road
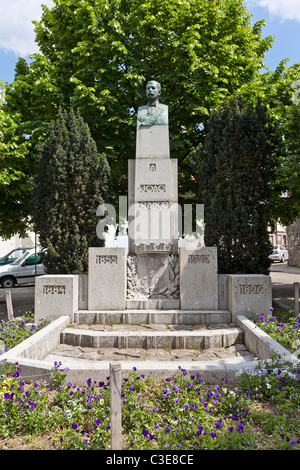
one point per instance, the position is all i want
(22, 300)
(282, 276)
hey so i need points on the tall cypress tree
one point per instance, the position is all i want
(237, 167)
(72, 179)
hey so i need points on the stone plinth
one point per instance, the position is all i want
(198, 279)
(155, 179)
(56, 296)
(152, 141)
(107, 278)
(249, 294)
(153, 208)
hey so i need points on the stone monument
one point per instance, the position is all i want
(156, 272)
(153, 270)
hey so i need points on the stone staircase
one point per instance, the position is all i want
(152, 335)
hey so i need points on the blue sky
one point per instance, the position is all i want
(17, 36)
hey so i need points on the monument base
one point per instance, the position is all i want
(153, 282)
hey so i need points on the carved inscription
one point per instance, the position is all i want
(152, 188)
(152, 166)
(153, 247)
(198, 259)
(251, 289)
(153, 205)
(54, 290)
(106, 259)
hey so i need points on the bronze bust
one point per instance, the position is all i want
(154, 112)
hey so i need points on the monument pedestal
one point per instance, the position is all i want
(152, 141)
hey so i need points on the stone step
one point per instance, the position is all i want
(236, 354)
(152, 304)
(153, 339)
(167, 317)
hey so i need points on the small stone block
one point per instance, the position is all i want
(249, 294)
(198, 279)
(56, 295)
(107, 278)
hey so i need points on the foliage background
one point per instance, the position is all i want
(72, 179)
(97, 57)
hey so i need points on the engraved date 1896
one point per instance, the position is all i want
(251, 289)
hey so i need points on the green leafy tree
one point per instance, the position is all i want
(72, 179)
(291, 165)
(97, 57)
(278, 91)
(15, 170)
(236, 171)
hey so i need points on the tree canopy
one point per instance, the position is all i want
(291, 166)
(98, 56)
(15, 171)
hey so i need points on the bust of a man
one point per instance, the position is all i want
(153, 113)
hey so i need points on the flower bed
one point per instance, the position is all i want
(283, 327)
(177, 413)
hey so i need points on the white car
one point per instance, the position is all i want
(279, 253)
(21, 271)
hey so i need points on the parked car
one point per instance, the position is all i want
(279, 253)
(21, 271)
(13, 255)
